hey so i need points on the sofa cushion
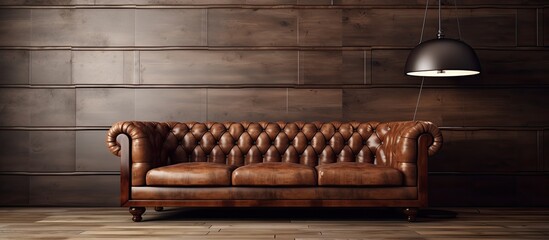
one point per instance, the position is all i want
(274, 174)
(357, 174)
(191, 174)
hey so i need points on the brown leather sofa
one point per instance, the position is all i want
(298, 164)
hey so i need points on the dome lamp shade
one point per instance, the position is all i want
(442, 57)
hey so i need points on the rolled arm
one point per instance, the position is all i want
(405, 135)
(144, 147)
(403, 148)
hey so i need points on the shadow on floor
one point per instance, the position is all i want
(293, 214)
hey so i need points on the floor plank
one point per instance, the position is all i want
(272, 223)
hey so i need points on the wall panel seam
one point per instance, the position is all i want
(212, 6)
(207, 103)
(256, 48)
(287, 102)
(516, 28)
(297, 28)
(75, 173)
(541, 150)
(298, 66)
(517, 173)
(541, 27)
(72, 70)
(364, 66)
(205, 22)
(29, 62)
(107, 127)
(297, 86)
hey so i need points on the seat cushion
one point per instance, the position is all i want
(357, 174)
(191, 174)
(274, 174)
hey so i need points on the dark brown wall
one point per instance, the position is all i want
(69, 69)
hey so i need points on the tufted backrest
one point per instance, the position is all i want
(244, 143)
(155, 144)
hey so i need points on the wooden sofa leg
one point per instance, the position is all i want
(158, 209)
(411, 213)
(137, 212)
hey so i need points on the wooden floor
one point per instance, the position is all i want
(285, 223)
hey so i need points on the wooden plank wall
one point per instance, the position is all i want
(69, 69)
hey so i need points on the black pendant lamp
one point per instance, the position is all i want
(442, 57)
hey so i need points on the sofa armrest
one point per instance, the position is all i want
(403, 149)
(144, 152)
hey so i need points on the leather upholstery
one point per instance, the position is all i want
(155, 144)
(357, 174)
(269, 193)
(191, 174)
(274, 174)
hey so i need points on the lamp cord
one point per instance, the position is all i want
(439, 21)
(420, 40)
(418, 97)
(457, 18)
(424, 17)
